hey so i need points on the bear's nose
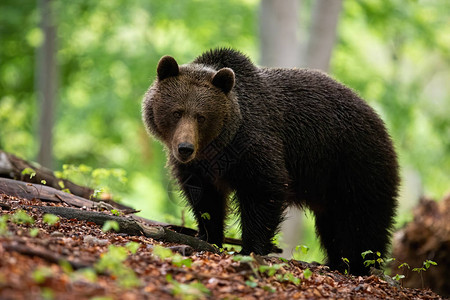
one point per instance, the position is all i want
(185, 149)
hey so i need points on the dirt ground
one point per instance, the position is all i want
(43, 257)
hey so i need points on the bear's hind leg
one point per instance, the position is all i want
(348, 228)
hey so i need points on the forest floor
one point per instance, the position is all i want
(43, 257)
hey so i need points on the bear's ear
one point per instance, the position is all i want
(167, 67)
(224, 80)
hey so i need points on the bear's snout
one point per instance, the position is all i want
(185, 150)
(184, 143)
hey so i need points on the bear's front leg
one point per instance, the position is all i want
(261, 214)
(208, 205)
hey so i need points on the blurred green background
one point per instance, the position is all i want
(395, 54)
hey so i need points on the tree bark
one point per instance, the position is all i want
(279, 33)
(280, 47)
(322, 36)
(46, 79)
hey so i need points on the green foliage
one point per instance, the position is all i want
(21, 217)
(40, 274)
(34, 232)
(101, 179)
(347, 262)
(243, 258)
(426, 265)
(206, 216)
(85, 274)
(50, 219)
(270, 270)
(47, 293)
(251, 282)
(113, 262)
(300, 250)
(175, 258)
(193, 290)
(398, 277)
(66, 267)
(307, 273)
(110, 225)
(4, 224)
(162, 252)
(393, 53)
(288, 277)
(133, 247)
(28, 171)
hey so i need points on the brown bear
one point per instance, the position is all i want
(274, 138)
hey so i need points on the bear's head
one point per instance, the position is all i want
(189, 107)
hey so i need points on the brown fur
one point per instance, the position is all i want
(276, 137)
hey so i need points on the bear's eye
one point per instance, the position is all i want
(201, 119)
(177, 114)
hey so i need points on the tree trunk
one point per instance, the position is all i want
(46, 79)
(280, 47)
(279, 33)
(322, 36)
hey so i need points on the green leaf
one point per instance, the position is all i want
(404, 265)
(369, 262)
(34, 232)
(243, 258)
(21, 217)
(133, 247)
(50, 219)
(86, 273)
(428, 263)
(28, 171)
(98, 192)
(365, 253)
(397, 277)
(110, 224)
(251, 284)
(291, 278)
(269, 288)
(179, 261)
(66, 266)
(307, 273)
(193, 290)
(40, 274)
(61, 184)
(162, 252)
(206, 216)
(4, 224)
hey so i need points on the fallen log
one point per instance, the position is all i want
(12, 167)
(45, 193)
(130, 226)
(29, 187)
